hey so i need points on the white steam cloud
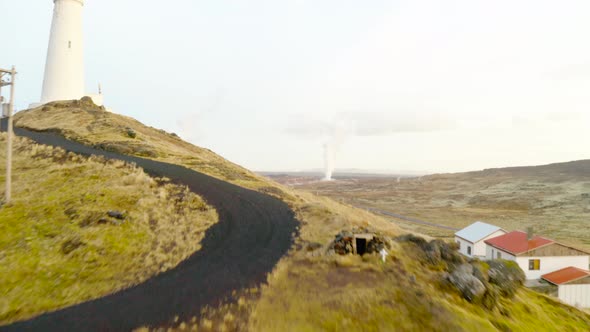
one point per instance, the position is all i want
(329, 161)
(338, 132)
(334, 133)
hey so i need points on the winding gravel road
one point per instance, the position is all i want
(254, 231)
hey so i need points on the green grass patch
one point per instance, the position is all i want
(59, 247)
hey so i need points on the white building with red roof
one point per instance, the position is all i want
(573, 286)
(536, 255)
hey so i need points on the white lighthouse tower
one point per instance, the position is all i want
(64, 69)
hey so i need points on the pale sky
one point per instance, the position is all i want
(400, 85)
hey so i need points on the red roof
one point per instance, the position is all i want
(516, 242)
(566, 275)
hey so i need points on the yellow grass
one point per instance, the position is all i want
(555, 204)
(54, 251)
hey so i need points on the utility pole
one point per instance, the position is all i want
(12, 74)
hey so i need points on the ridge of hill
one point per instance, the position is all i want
(576, 168)
(311, 289)
(84, 122)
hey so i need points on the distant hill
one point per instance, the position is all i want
(554, 199)
(579, 168)
(571, 169)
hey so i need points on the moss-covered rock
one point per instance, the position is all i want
(507, 275)
(130, 132)
(463, 278)
(438, 254)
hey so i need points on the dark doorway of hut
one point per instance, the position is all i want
(361, 246)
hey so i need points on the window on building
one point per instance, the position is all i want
(468, 250)
(534, 264)
(459, 244)
(499, 255)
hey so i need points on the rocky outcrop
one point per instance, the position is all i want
(506, 275)
(116, 214)
(463, 278)
(343, 243)
(436, 252)
(376, 244)
(485, 282)
(477, 281)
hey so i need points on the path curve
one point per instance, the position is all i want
(254, 231)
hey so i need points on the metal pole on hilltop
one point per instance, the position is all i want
(9, 132)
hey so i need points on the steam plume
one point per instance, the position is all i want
(348, 124)
(329, 160)
(337, 134)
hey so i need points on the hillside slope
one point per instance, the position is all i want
(311, 289)
(58, 244)
(553, 199)
(84, 122)
(558, 171)
(252, 233)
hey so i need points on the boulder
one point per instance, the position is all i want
(375, 245)
(116, 214)
(437, 252)
(103, 221)
(471, 288)
(85, 101)
(342, 243)
(507, 275)
(419, 241)
(312, 246)
(130, 132)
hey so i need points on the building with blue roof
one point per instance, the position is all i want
(471, 238)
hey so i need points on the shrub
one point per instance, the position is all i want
(131, 133)
(71, 244)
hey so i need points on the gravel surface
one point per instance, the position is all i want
(254, 231)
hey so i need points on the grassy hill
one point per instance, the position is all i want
(311, 289)
(553, 199)
(87, 123)
(59, 246)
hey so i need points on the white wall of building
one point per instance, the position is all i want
(480, 246)
(463, 245)
(493, 253)
(575, 295)
(64, 68)
(552, 264)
